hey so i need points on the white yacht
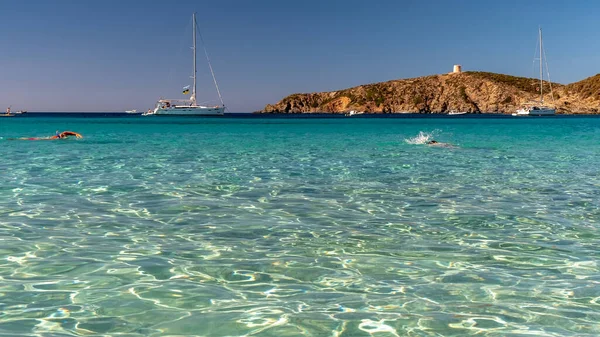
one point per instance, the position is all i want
(538, 108)
(532, 110)
(189, 107)
(134, 111)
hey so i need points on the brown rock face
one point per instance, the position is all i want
(475, 92)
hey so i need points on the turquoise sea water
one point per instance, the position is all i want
(300, 227)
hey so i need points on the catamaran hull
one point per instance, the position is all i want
(204, 111)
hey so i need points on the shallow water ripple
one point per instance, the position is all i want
(237, 228)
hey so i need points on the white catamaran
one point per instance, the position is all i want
(538, 108)
(189, 107)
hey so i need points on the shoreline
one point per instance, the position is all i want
(415, 115)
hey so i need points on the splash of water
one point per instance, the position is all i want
(421, 138)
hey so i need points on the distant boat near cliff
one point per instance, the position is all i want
(7, 114)
(538, 108)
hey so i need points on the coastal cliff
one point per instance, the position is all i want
(474, 92)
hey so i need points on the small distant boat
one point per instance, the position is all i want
(21, 112)
(134, 111)
(189, 107)
(354, 113)
(538, 108)
(7, 114)
(454, 113)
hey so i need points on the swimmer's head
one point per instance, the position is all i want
(432, 142)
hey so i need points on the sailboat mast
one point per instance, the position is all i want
(541, 69)
(194, 38)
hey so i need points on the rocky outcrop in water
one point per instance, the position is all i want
(474, 92)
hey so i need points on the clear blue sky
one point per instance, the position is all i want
(70, 55)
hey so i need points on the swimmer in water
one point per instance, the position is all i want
(66, 134)
(58, 135)
(436, 143)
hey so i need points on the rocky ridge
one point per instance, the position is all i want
(474, 92)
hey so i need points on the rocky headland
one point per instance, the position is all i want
(472, 91)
